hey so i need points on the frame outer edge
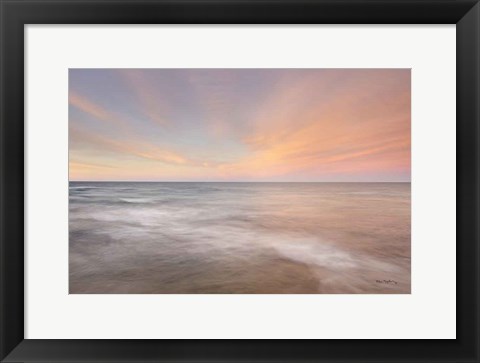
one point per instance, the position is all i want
(11, 170)
(468, 180)
(11, 179)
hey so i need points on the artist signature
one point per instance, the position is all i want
(388, 282)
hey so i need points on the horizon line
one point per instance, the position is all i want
(234, 181)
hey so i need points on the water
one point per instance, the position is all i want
(261, 238)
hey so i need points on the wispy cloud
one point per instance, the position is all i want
(152, 105)
(214, 91)
(86, 144)
(126, 147)
(306, 124)
(94, 110)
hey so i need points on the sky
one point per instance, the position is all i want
(279, 125)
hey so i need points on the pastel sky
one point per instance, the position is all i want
(308, 125)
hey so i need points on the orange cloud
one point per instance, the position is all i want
(87, 145)
(94, 110)
(363, 129)
(340, 122)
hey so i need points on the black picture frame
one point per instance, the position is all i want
(15, 14)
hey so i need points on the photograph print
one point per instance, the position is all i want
(239, 181)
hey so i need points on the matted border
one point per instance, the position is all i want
(50, 313)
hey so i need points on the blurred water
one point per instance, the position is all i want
(239, 237)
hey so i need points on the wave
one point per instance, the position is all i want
(137, 200)
(279, 238)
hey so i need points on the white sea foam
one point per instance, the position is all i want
(136, 200)
(186, 237)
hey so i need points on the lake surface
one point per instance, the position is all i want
(239, 238)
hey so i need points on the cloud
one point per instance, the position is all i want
(309, 123)
(214, 90)
(94, 110)
(357, 127)
(83, 141)
(151, 104)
